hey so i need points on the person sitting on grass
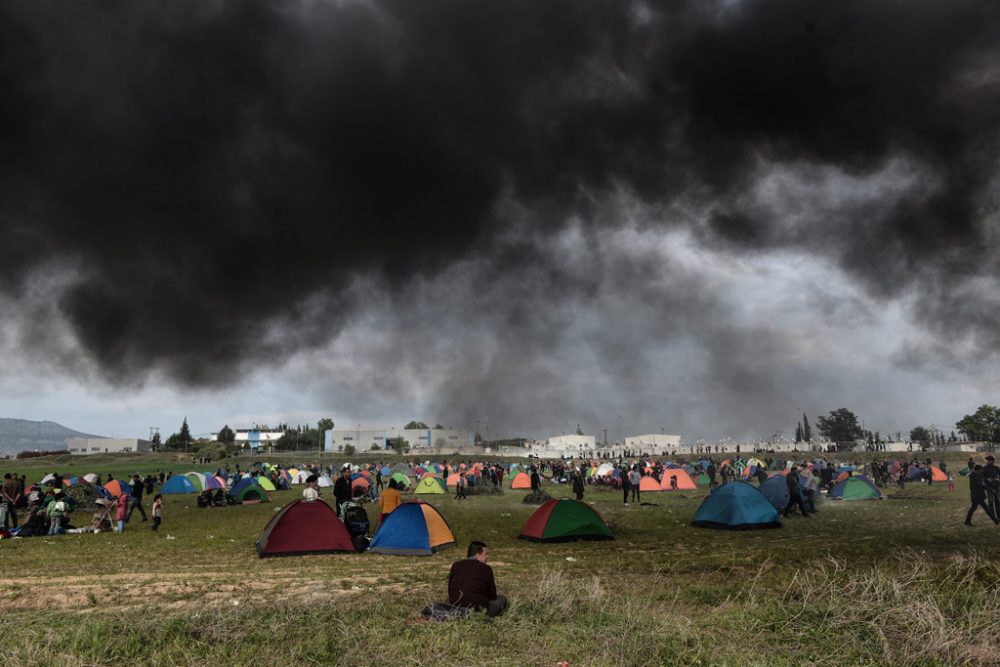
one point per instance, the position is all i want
(471, 583)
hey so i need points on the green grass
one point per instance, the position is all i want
(899, 581)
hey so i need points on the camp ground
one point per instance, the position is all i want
(563, 559)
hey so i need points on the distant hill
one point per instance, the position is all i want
(17, 435)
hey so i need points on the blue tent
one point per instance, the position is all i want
(736, 506)
(775, 489)
(412, 529)
(386, 472)
(242, 484)
(178, 484)
(914, 472)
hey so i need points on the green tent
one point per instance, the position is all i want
(251, 493)
(401, 479)
(701, 480)
(265, 483)
(565, 519)
(855, 488)
(430, 485)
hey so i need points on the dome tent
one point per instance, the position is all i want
(684, 481)
(736, 506)
(178, 484)
(304, 528)
(856, 488)
(415, 528)
(563, 520)
(775, 489)
(521, 481)
(429, 485)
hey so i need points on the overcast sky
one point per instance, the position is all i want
(705, 218)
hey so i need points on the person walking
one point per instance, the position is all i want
(460, 488)
(578, 486)
(991, 480)
(794, 492)
(977, 494)
(136, 498)
(626, 484)
(121, 512)
(157, 512)
(342, 490)
(634, 479)
(388, 501)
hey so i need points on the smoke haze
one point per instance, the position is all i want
(698, 215)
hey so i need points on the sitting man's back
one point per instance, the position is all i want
(471, 583)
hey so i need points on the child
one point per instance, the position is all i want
(157, 511)
(122, 512)
(951, 482)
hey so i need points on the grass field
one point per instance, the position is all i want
(900, 581)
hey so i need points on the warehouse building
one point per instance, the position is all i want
(82, 446)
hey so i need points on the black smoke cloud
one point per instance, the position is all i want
(213, 177)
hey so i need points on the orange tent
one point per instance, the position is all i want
(453, 479)
(938, 475)
(521, 481)
(842, 476)
(684, 481)
(647, 483)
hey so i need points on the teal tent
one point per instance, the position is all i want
(736, 506)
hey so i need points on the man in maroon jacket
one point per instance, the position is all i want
(471, 584)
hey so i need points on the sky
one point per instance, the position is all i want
(704, 218)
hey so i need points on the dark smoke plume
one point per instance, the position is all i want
(211, 178)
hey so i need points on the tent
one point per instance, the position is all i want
(300, 477)
(736, 506)
(401, 480)
(604, 470)
(116, 487)
(213, 482)
(324, 481)
(856, 488)
(775, 489)
(197, 479)
(359, 486)
(91, 478)
(178, 484)
(684, 481)
(702, 479)
(413, 529)
(453, 479)
(563, 520)
(304, 528)
(386, 472)
(240, 485)
(429, 485)
(251, 493)
(265, 483)
(521, 481)
(914, 472)
(648, 483)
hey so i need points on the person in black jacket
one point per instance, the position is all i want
(794, 492)
(991, 481)
(977, 491)
(578, 486)
(342, 489)
(136, 498)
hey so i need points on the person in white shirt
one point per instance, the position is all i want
(311, 493)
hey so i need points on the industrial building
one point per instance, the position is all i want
(653, 444)
(82, 446)
(364, 440)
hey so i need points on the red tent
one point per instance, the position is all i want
(304, 528)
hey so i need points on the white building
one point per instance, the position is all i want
(653, 444)
(83, 446)
(364, 440)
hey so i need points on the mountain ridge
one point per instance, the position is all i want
(18, 435)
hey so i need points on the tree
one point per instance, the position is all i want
(349, 450)
(579, 431)
(798, 433)
(921, 435)
(181, 440)
(840, 426)
(324, 425)
(983, 425)
(807, 433)
(438, 427)
(156, 443)
(416, 425)
(398, 444)
(226, 435)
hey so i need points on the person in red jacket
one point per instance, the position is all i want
(471, 583)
